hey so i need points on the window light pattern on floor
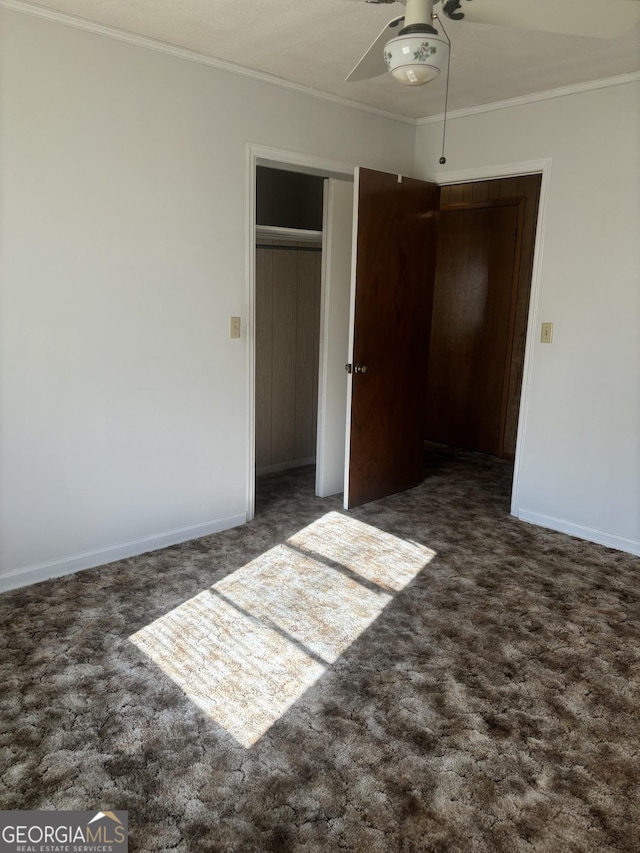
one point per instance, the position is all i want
(247, 648)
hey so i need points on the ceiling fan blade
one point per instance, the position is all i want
(372, 63)
(569, 17)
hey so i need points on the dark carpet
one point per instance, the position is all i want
(491, 706)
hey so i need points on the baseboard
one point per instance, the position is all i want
(284, 466)
(591, 534)
(90, 559)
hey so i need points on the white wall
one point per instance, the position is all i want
(122, 224)
(123, 420)
(579, 450)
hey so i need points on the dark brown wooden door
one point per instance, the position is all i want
(472, 328)
(395, 264)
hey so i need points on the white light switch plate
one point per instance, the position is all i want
(234, 327)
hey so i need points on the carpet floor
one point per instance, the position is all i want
(425, 673)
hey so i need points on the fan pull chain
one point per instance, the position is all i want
(443, 159)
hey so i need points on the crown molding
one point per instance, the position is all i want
(533, 98)
(78, 23)
(193, 56)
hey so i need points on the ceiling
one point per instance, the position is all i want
(317, 42)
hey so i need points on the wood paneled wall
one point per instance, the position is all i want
(287, 344)
(528, 188)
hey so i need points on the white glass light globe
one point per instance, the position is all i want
(415, 59)
(414, 75)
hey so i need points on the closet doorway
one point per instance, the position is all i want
(288, 269)
(486, 238)
(302, 285)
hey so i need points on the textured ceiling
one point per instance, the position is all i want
(317, 42)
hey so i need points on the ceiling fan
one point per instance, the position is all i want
(415, 52)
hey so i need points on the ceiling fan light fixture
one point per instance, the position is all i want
(416, 58)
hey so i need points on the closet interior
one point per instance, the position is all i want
(288, 275)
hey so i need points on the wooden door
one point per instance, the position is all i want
(391, 295)
(472, 325)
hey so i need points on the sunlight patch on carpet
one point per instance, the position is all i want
(377, 556)
(247, 648)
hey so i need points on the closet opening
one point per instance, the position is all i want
(288, 265)
(480, 310)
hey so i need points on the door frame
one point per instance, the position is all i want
(260, 155)
(513, 170)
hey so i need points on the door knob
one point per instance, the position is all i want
(360, 368)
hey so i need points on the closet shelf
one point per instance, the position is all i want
(275, 232)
